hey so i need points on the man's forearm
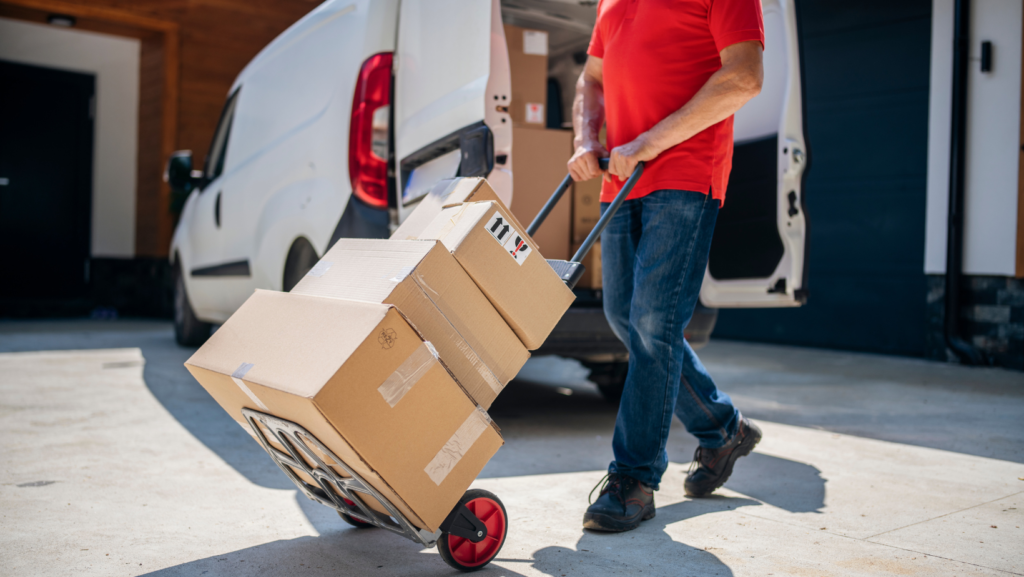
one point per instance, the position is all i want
(587, 111)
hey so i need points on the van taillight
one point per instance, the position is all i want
(368, 131)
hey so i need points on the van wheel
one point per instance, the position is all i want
(301, 257)
(610, 378)
(188, 330)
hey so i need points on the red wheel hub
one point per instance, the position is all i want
(473, 554)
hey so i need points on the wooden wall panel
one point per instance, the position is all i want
(192, 50)
(148, 193)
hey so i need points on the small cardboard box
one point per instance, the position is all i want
(435, 294)
(586, 208)
(541, 157)
(528, 63)
(450, 192)
(591, 278)
(517, 280)
(360, 379)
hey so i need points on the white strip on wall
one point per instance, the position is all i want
(993, 132)
(115, 62)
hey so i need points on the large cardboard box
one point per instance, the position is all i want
(586, 208)
(591, 278)
(541, 157)
(449, 192)
(517, 280)
(360, 379)
(435, 294)
(528, 61)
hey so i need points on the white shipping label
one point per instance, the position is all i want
(499, 229)
(534, 113)
(517, 247)
(535, 42)
(508, 238)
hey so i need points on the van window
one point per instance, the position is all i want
(219, 146)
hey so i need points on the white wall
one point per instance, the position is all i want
(115, 62)
(993, 132)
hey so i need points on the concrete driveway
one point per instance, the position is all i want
(113, 461)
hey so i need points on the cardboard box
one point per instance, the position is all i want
(540, 159)
(361, 380)
(528, 61)
(435, 294)
(591, 278)
(586, 208)
(517, 280)
(449, 192)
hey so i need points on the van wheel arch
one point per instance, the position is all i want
(301, 257)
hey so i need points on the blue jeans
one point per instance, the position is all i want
(654, 253)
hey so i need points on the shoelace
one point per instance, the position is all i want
(695, 463)
(606, 482)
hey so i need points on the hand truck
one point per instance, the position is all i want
(473, 533)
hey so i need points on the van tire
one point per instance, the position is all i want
(301, 257)
(189, 331)
(610, 378)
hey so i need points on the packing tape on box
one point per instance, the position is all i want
(483, 368)
(457, 446)
(402, 273)
(238, 375)
(320, 268)
(408, 373)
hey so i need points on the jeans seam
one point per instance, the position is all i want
(704, 407)
(666, 425)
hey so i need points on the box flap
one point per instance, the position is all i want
(382, 265)
(292, 343)
(451, 192)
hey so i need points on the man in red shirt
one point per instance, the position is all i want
(667, 76)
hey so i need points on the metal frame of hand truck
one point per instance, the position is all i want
(337, 491)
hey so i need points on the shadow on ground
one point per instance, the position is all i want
(596, 553)
(344, 552)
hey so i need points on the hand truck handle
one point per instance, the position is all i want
(608, 214)
(557, 195)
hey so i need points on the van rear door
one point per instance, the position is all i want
(758, 256)
(449, 118)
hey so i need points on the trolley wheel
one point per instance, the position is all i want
(352, 520)
(465, 555)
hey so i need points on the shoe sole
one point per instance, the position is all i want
(745, 448)
(600, 522)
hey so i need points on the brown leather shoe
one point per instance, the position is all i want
(711, 467)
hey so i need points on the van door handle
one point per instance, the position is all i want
(216, 210)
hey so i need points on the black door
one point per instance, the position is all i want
(46, 140)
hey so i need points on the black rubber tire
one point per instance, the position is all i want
(444, 548)
(189, 331)
(354, 522)
(610, 378)
(301, 257)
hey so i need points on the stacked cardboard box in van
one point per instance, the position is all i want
(528, 63)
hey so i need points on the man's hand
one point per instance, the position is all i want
(587, 119)
(625, 158)
(583, 164)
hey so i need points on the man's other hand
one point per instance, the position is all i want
(625, 158)
(583, 164)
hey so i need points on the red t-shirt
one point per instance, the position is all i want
(657, 54)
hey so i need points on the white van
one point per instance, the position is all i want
(341, 125)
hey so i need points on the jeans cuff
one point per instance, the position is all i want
(644, 475)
